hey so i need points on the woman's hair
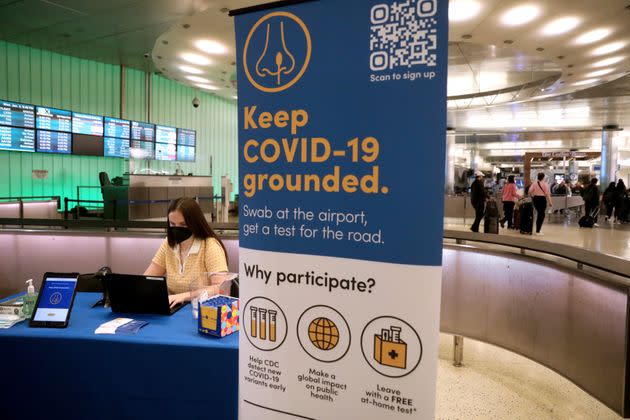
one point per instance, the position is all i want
(195, 220)
(594, 181)
(511, 179)
(620, 183)
(541, 176)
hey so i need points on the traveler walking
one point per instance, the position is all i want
(621, 202)
(590, 195)
(541, 197)
(609, 200)
(478, 199)
(509, 198)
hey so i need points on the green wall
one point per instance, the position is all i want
(45, 78)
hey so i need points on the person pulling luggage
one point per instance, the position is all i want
(590, 195)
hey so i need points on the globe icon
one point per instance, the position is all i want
(323, 333)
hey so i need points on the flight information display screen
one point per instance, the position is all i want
(54, 119)
(164, 151)
(54, 142)
(18, 139)
(116, 147)
(186, 153)
(85, 145)
(142, 131)
(142, 149)
(165, 134)
(186, 137)
(117, 128)
(17, 115)
(91, 125)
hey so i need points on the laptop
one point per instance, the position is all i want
(139, 294)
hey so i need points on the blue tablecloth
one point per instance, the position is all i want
(165, 371)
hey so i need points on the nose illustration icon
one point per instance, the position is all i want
(276, 52)
(276, 60)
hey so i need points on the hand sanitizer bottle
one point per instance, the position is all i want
(29, 299)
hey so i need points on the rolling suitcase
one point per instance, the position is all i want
(588, 220)
(516, 223)
(491, 224)
(491, 218)
(526, 225)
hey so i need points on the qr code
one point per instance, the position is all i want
(403, 34)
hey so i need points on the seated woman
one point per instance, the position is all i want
(191, 248)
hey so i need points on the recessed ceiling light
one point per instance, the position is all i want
(206, 86)
(608, 61)
(585, 82)
(609, 48)
(520, 15)
(190, 69)
(560, 26)
(195, 59)
(235, 97)
(198, 79)
(460, 10)
(210, 47)
(599, 73)
(592, 36)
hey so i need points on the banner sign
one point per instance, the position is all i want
(570, 154)
(342, 122)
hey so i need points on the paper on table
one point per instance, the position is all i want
(110, 326)
(8, 320)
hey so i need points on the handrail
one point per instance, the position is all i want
(117, 201)
(56, 198)
(103, 223)
(583, 257)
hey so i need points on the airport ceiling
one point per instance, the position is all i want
(514, 65)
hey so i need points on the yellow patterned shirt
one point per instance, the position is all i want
(204, 256)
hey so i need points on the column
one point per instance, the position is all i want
(474, 157)
(610, 154)
(449, 179)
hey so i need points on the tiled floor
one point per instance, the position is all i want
(497, 384)
(607, 238)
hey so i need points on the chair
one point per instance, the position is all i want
(104, 179)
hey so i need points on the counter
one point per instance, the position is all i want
(166, 371)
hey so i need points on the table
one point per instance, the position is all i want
(165, 371)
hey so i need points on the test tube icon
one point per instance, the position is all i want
(385, 334)
(272, 325)
(254, 321)
(263, 323)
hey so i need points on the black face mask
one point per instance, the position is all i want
(180, 234)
